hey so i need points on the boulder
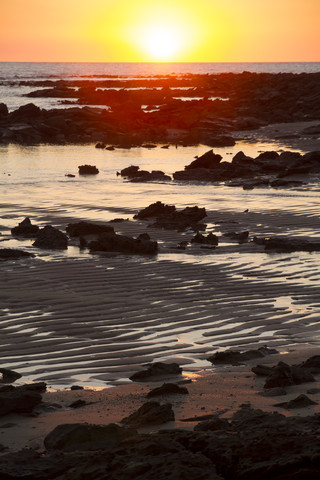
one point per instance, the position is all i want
(84, 436)
(51, 238)
(9, 376)
(210, 239)
(235, 357)
(28, 111)
(18, 399)
(88, 170)
(157, 369)
(312, 364)
(151, 413)
(129, 171)
(112, 242)
(155, 210)
(168, 389)
(186, 218)
(301, 401)
(208, 160)
(86, 228)
(25, 229)
(13, 254)
(284, 375)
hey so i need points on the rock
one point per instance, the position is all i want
(76, 387)
(168, 389)
(312, 364)
(129, 171)
(301, 401)
(25, 229)
(314, 130)
(3, 110)
(274, 392)
(157, 369)
(155, 210)
(262, 370)
(78, 404)
(18, 399)
(111, 242)
(290, 245)
(151, 413)
(210, 239)
(9, 376)
(88, 170)
(284, 375)
(111, 148)
(212, 425)
(186, 218)
(70, 175)
(28, 111)
(51, 238)
(86, 228)
(271, 155)
(136, 175)
(83, 436)
(234, 357)
(208, 160)
(13, 254)
(148, 145)
(100, 145)
(240, 237)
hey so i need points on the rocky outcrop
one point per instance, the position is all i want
(86, 228)
(51, 238)
(235, 357)
(209, 239)
(151, 413)
(301, 401)
(21, 399)
(157, 369)
(283, 375)
(13, 254)
(25, 229)
(155, 210)
(112, 242)
(88, 170)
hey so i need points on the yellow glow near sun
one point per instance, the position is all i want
(162, 42)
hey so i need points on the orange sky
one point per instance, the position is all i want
(167, 30)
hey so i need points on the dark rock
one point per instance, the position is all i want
(157, 369)
(186, 218)
(301, 401)
(100, 145)
(241, 159)
(76, 387)
(130, 171)
(313, 391)
(18, 400)
(86, 228)
(28, 111)
(70, 175)
(51, 238)
(312, 364)
(3, 110)
(262, 370)
(13, 254)
(210, 239)
(88, 170)
(151, 413)
(212, 425)
(208, 160)
(25, 229)
(136, 175)
(284, 375)
(168, 389)
(148, 145)
(78, 404)
(111, 242)
(272, 155)
(234, 357)
(155, 210)
(274, 392)
(110, 148)
(280, 244)
(8, 376)
(83, 436)
(240, 237)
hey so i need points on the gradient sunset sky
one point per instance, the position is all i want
(167, 30)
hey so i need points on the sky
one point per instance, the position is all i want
(166, 30)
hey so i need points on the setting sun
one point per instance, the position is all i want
(162, 42)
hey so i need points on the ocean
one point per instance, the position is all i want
(74, 317)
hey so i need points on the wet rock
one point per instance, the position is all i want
(157, 369)
(28, 111)
(168, 389)
(208, 160)
(154, 210)
(129, 171)
(151, 413)
(13, 254)
(281, 244)
(88, 170)
(234, 357)
(86, 228)
(100, 145)
(18, 399)
(136, 175)
(240, 237)
(25, 229)
(210, 239)
(8, 376)
(284, 375)
(301, 401)
(262, 370)
(186, 218)
(83, 436)
(51, 238)
(112, 242)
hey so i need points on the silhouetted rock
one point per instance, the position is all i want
(281, 244)
(240, 237)
(168, 389)
(9, 376)
(3, 110)
(210, 239)
(100, 145)
(12, 254)
(301, 401)
(186, 218)
(312, 364)
(88, 170)
(155, 210)
(212, 425)
(86, 228)
(25, 229)
(207, 160)
(51, 238)
(234, 357)
(157, 369)
(284, 375)
(151, 413)
(20, 399)
(112, 242)
(83, 436)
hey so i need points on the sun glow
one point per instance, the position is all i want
(162, 42)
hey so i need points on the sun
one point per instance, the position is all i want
(161, 42)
